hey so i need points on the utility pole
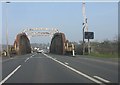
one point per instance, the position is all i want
(7, 30)
(85, 21)
(85, 27)
(83, 40)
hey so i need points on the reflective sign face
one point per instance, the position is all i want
(89, 35)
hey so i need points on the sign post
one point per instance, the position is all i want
(89, 35)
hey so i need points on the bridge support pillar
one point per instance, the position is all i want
(57, 44)
(22, 44)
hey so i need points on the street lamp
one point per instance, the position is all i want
(7, 30)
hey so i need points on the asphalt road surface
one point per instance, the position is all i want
(51, 68)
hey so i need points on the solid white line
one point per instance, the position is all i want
(104, 80)
(9, 75)
(85, 75)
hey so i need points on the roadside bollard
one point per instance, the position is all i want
(73, 52)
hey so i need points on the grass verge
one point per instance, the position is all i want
(104, 55)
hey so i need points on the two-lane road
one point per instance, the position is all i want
(49, 68)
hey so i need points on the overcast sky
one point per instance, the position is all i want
(65, 16)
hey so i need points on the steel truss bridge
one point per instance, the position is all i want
(22, 41)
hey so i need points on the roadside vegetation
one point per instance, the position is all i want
(105, 49)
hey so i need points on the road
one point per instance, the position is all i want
(51, 68)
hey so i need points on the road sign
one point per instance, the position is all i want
(89, 35)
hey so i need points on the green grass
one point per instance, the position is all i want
(104, 55)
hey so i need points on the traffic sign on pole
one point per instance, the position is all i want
(89, 35)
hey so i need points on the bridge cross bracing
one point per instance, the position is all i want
(34, 32)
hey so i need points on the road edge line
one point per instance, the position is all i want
(104, 80)
(85, 75)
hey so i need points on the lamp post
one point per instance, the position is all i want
(7, 30)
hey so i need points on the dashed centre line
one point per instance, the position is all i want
(5, 79)
(27, 59)
(30, 57)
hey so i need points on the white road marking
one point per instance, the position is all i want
(66, 63)
(30, 57)
(104, 80)
(33, 55)
(5, 79)
(16, 57)
(85, 75)
(27, 59)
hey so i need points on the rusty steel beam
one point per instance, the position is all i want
(57, 44)
(22, 44)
